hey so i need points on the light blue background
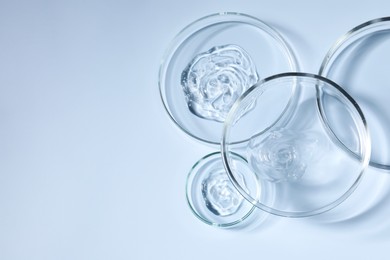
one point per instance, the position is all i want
(91, 167)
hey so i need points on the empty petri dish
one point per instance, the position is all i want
(358, 62)
(211, 62)
(212, 196)
(297, 150)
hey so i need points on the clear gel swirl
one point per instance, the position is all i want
(220, 195)
(283, 155)
(214, 80)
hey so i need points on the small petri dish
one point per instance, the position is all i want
(358, 61)
(213, 198)
(297, 151)
(211, 62)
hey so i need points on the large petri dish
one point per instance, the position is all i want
(358, 61)
(211, 62)
(298, 152)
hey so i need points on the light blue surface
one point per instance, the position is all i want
(91, 167)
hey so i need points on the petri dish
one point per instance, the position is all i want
(358, 62)
(211, 195)
(211, 62)
(298, 152)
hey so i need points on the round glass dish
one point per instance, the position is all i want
(211, 195)
(296, 151)
(358, 61)
(211, 62)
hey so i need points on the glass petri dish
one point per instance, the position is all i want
(358, 62)
(211, 195)
(298, 152)
(211, 62)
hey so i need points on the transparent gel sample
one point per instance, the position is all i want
(220, 195)
(283, 155)
(214, 80)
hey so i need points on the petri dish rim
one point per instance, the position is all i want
(365, 158)
(200, 24)
(353, 35)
